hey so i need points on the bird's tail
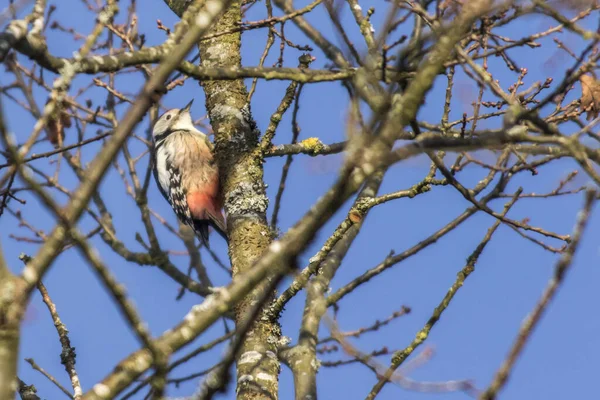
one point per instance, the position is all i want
(201, 229)
(206, 212)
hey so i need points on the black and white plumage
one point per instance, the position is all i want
(186, 173)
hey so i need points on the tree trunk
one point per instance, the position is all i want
(236, 138)
(11, 312)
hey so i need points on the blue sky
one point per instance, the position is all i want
(474, 334)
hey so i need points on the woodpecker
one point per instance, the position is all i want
(186, 172)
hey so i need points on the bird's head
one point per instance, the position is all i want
(173, 120)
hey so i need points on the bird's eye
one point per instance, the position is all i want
(168, 117)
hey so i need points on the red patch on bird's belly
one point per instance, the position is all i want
(200, 203)
(204, 200)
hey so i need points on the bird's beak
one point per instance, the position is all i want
(187, 106)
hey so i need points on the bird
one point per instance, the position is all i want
(186, 172)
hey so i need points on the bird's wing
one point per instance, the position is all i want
(177, 195)
(155, 173)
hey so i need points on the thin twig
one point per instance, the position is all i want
(528, 326)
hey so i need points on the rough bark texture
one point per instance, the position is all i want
(236, 139)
